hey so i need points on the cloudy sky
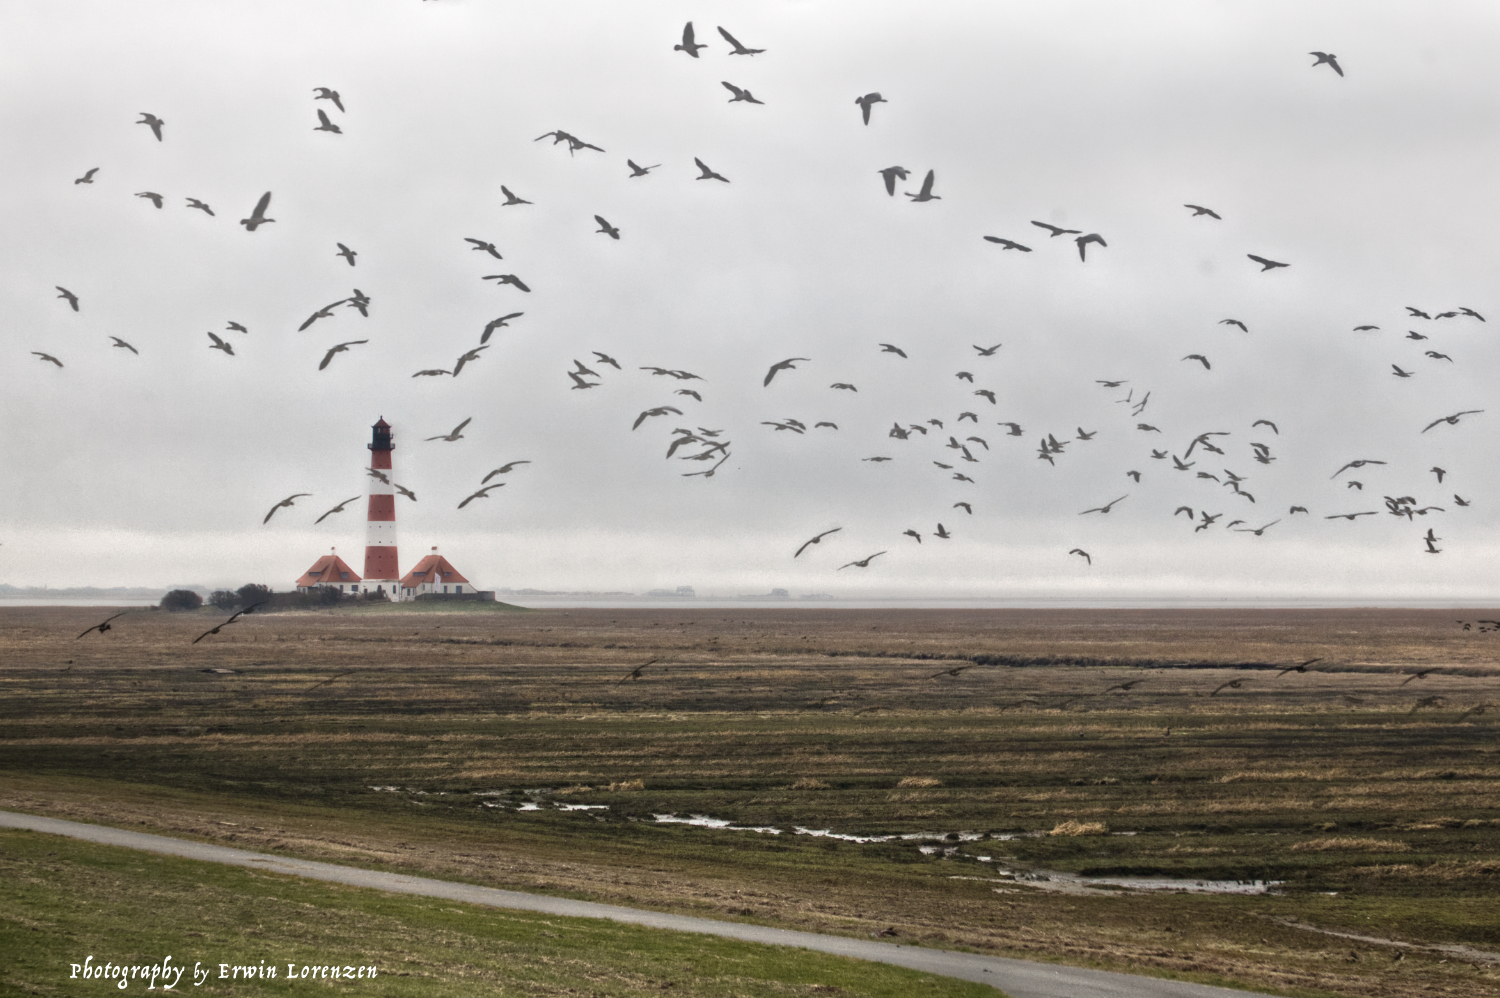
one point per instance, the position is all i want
(157, 467)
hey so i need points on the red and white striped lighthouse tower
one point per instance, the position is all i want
(380, 523)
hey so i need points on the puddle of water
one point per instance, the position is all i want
(703, 821)
(528, 806)
(1069, 883)
(581, 807)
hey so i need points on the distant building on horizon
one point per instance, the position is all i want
(681, 592)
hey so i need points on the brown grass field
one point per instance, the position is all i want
(1368, 785)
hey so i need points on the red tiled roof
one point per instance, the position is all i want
(329, 570)
(432, 569)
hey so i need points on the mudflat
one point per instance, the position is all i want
(1013, 781)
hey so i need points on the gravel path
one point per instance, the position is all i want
(1018, 978)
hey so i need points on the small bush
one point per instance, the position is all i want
(181, 599)
(252, 592)
(224, 599)
(1080, 828)
(919, 781)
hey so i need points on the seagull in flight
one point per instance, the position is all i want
(121, 343)
(1329, 58)
(455, 434)
(888, 348)
(1259, 531)
(346, 253)
(785, 365)
(195, 203)
(926, 193)
(604, 227)
(510, 279)
(1198, 209)
(502, 470)
(1451, 420)
(1083, 242)
(817, 539)
(87, 178)
(147, 118)
(151, 196)
(891, 175)
(1201, 359)
(861, 563)
(499, 323)
(740, 94)
(340, 348)
(1234, 322)
(236, 616)
(510, 198)
(868, 101)
(326, 312)
(660, 410)
(337, 509)
(1106, 507)
(738, 48)
(287, 502)
(103, 625)
(47, 358)
(1055, 230)
(707, 173)
(326, 125)
(323, 93)
(1008, 244)
(636, 170)
(1265, 264)
(72, 299)
(483, 493)
(688, 45)
(219, 344)
(258, 216)
(1082, 553)
(986, 351)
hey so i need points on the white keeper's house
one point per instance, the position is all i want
(332, 571)
(434, 574)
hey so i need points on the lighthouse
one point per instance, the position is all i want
(381, 573)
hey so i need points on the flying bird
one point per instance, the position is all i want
(346, 253)
(499, 323)
(891, 175)
(888, 348)
(1328, 57)
(87, 178)
(1008, 244)
(483, 493)
(636, 170)
(151, 196)
(636, 672)
(510, 279)
(147, 118)
(72, 299)
(340, 348)
(1107, 506)
(738, 48)
(287, 502)
(1396, 370)
(337, 509)
(1299, 667)
(660, 410)
(510, 198)
(1201, 359)
(258, 216)
(688, 45)
(403, 490)
(502, 470)
(926, 193)
(1265, 264)
(195, 203)
(121, 343)
(1349, 516)
(605, 358)
(965, 507)
(455, 434)
(1354, 464)
(1234, 322)
(326, 312)
(740, 94)
(1056, 230)
(1258, 531)
(1364, 329)
(1233, 684)
(236, 616)
(707, 173)
(323, 93)
(861, 563)
(868, 101)
(219, 344)
(606, 228)
(1083, 242)
(1198, 209)
(104, 625)
(785, 365)
(325, 125)
(1451, 420)
(47, 358)
(1439, 356)
(913, 534)
(942, 532)
(842, 385)
(1084, 554)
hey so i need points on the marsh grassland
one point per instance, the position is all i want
(514, 749)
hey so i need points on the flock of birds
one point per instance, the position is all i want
(963, 445)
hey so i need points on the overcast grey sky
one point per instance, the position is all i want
(1377, 188)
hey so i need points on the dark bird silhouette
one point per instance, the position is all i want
(337, 509)
(346, 253)
(510, 198)
(605, 358)
(986, 393)
(499, 323)
(1008, 244)
(688, 45)
(219, 344)
(1471, 312)
(1014, 429)
(1107, 506)
(1451, 420)
(483, 493)
(403, 490)
(891, 175)
(235, 616)
(1265, 264)
(287, 502)
(986, 351)
(1412, 334)
(1353, 464)
(1135, 475)
(877, 460)
(861, 563)
(708, 174)
(1198, 209)
(606, 228)
(455, 434)
(867, 102)
(195, 203)
(1364, 329)
(965, 506)
(258, 216)
(1266, 422)
(636, 672)
(1299, 667)
(740, 94)
(949, 672)
(340, 348)
(72, 299)
(926, 193)
(689, 391)
(786, 365)
(326, 312)
(1349, 516)
(323, 93)
(1083, 242)
(912, 534)
(1084, 554)
(1057, 230)
(1400, 373)
(965, 376)
(47, 358)
(1460, 500)
(1201, 359)
(1234, 322)
(87, 178)
(510, 279)
(1417, 313)
(636, 170)
(844, 386)
(738, 48)
(1258, 531)
(1439, 356)
(1331, 59)
(942, 532)
(147, 118)
(151, 196)
(1233, 684)
(430, 373)
(483, 247)
(502, 470)
(121, 343)
(1296, 509)
(1439, 472)
(325, 125)
(104, 625)
(888, 348)
(660, 410)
